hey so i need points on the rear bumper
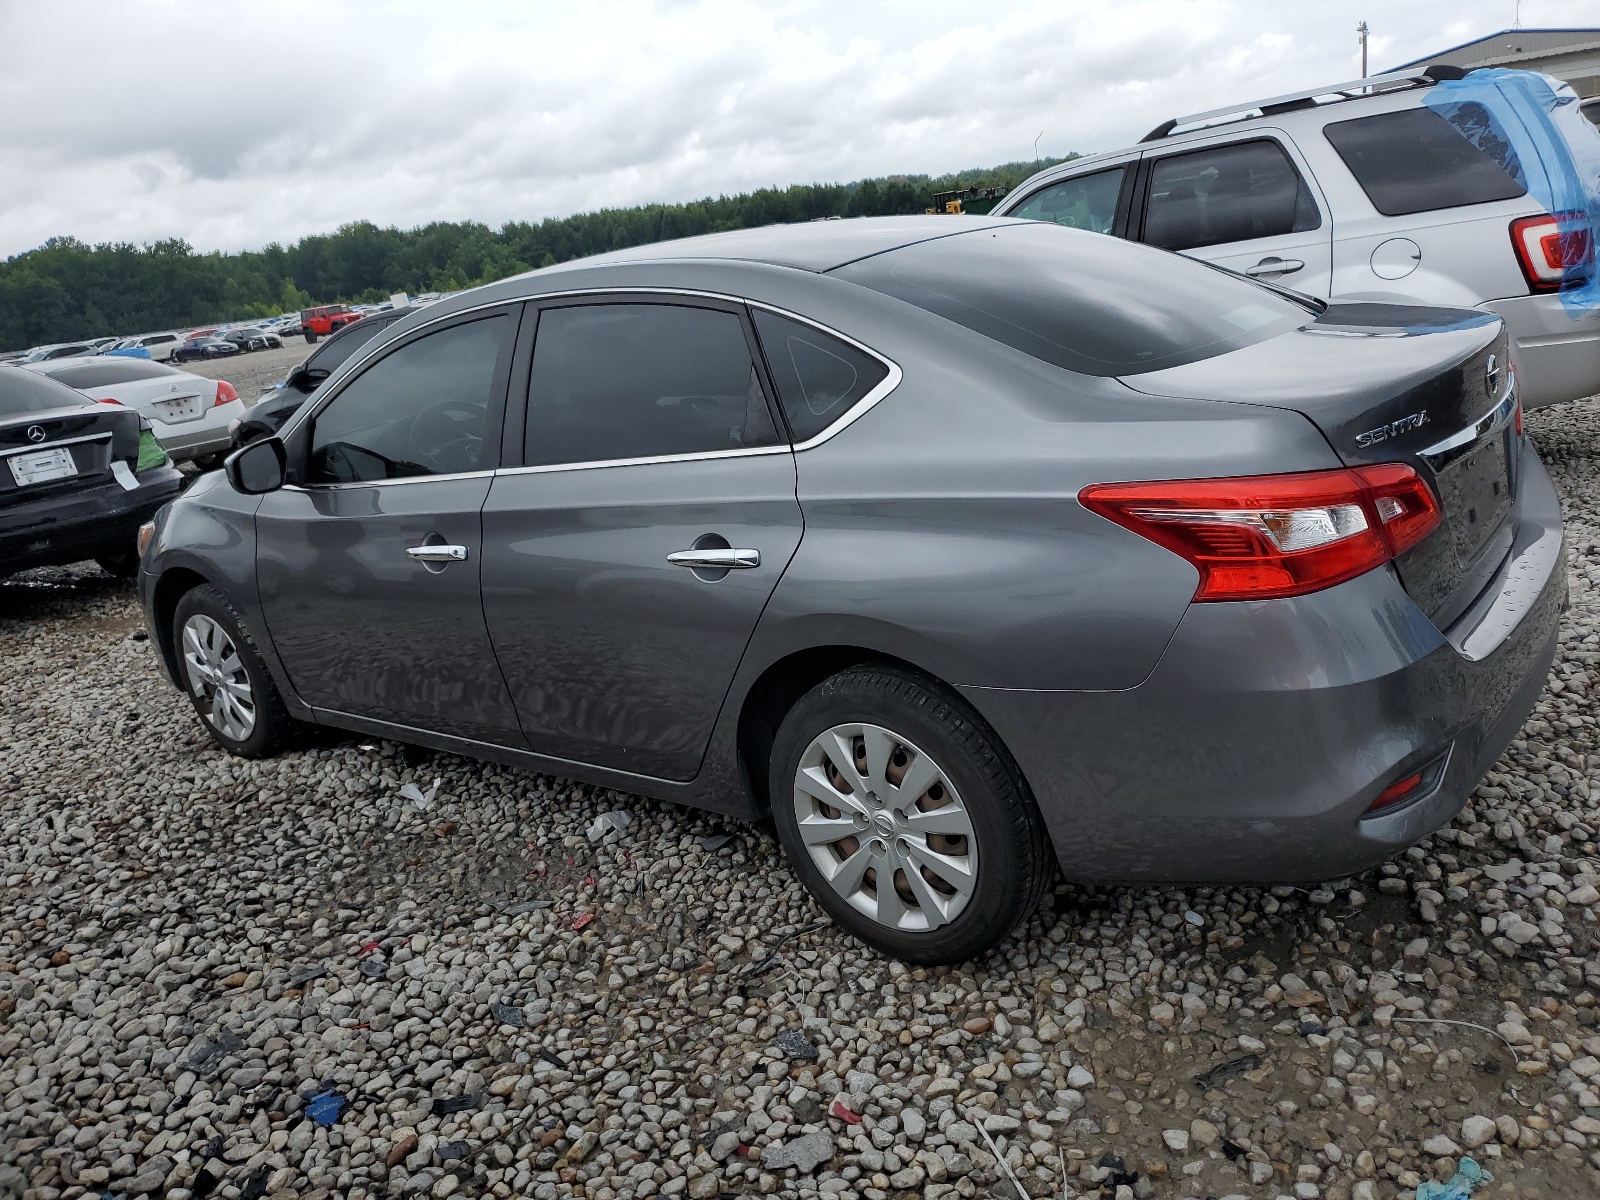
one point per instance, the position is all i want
(75, 526)
(1557, 356)
(207, 435)
(1254, 749)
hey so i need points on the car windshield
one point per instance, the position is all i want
(1090, 303)
(28, 392)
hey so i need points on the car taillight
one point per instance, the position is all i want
(225, 393)
(1261, 537)
(1549, 246)
(108, 400)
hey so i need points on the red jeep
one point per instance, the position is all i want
(320, 322)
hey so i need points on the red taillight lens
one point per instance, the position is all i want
(1549, 246)
(1262, 537)
(108, 400)
(225, 393)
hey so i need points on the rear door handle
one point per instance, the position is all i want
(1275, 266)
(438, 554)
(716, 559)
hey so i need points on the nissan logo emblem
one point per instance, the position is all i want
(36, 433)
(1491, 374)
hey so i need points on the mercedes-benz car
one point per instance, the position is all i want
(967, 549)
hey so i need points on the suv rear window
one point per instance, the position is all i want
(1092, 304)
(1418, 160)
(100, 374)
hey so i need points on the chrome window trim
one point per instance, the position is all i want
(1464, 441)
(336, 487)
(854, 413)
(597, 464)
(35, 447)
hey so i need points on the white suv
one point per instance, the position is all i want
(1355, 192)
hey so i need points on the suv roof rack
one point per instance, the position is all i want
(1355, 88)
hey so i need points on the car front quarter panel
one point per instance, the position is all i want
(207, 535)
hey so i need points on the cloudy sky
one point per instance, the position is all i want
(233, 125)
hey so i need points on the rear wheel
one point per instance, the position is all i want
(311, 335)
(226, 678)
(124, 564)
(905, 818)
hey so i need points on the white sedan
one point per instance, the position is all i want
(189, 413)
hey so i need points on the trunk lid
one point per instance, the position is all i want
(91, 436)
(1394, 383)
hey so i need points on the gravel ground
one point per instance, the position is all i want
(195, 950)
(251, 374)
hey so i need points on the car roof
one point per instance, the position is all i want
(810, 246)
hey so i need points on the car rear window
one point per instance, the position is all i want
(1092, 304)
(102, 374)
(28, 392)
(1418, 160)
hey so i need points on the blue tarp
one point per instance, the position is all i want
(1537, 133)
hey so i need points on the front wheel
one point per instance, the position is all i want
(311, 336)
(226, 678)
(905, 817)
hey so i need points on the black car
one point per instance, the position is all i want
(199, 348)
(276, 405)
(250, 338)
(78, 477)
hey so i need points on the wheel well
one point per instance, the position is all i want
(775, 693)
(170, 588)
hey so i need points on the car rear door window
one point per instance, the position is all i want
(421, 410)
(1230, 193)
(1418, 160)
(1083, 202)
(818, 376)
(629, 381)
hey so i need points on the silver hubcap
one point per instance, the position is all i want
(885, 827)
(217, 678)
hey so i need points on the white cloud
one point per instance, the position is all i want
(232, 126)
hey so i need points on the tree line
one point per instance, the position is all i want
(66, 290)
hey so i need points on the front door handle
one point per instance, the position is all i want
(1275, 266)
(716, 559)
(437, 554)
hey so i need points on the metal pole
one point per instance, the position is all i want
(1361, 33)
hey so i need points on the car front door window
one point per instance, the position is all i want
(1082, 202)
(418, 411)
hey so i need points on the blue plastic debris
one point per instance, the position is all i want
(1468, 1176)
(324, 1108)
(1531, 125)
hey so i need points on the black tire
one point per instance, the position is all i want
(311, 336)
(273, 728)
(209, 462)
(124, 564)
(1015, 862)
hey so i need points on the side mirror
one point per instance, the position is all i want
(259, 467)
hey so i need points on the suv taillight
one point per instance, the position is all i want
(1262, 537)
(1549, 246)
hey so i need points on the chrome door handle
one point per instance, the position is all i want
(1275, 266)
(438, 554)
(715, 559)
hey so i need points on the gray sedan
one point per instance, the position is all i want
(964, 548)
